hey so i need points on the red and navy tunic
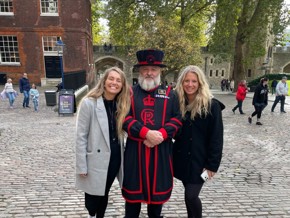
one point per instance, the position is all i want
(148, 172)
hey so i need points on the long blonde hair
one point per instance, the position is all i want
(123, 98)
(202, 101)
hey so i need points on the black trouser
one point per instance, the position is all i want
(192, 200)
(239, 105)
(258, 111)
(277, 99)
(132, 210)
(97, 205)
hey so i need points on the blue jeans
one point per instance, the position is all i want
(26, 98)
(35, 103)
(11, 97)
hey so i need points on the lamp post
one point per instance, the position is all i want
(60, 45)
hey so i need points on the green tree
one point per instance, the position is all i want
(178, 48)
(97, 29)
(175, 26)
(241, 30)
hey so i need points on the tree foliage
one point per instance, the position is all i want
(238, 29)
(97, 28)
(174, 26)
(179, 49)
(241, 31)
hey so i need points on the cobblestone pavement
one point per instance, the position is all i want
(37, 167)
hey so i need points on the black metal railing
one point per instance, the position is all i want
(74, 80)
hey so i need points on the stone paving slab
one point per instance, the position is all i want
(37, 154)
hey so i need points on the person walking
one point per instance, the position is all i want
(24, 87)
(10, 92)
(260, 100)
(240, 96)
(281, 93)
(273, 86)
(153, 120)
(35, 96)
(100, 139)
(198, 147)
(232, 85)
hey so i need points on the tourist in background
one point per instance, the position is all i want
(273, 86)
(260, 100)
(198, 147)
(281, 93)
(9, 92)
(240, 96)
(232, 85)
(34, 94)
(24, 87)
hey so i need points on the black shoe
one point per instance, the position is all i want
(283, 112)
(259, 123)
(233, 111)
(27, 106)
(242, 113)
(250, 120)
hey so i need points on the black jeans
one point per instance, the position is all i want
(258, 111)
(239, 105)
(277, 99)
(132, 210)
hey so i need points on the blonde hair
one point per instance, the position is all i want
(123, 98)
(202, 100)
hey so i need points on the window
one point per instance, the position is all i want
(223, 73)
(49, 7)
(49, 43)
(6, 7)
(9, 49)
(210, 73)
(217, 73)
(249, 72)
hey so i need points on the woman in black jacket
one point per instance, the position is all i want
(198, 146)
(260, 100)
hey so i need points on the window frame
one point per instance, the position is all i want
(9, 48)
(44, 11)
(51, 42)
(10, 12)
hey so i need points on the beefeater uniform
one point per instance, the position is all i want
(148, 172)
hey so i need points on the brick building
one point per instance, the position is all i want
(29, 30)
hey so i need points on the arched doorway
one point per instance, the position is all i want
(106, 62)
(286, 68)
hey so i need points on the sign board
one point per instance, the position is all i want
(66, 104)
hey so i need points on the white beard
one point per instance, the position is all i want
(148, 85)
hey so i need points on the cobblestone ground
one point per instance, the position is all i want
(37, 167)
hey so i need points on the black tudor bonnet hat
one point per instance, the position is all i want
(150, 57)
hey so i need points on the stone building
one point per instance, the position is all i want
(29, 30)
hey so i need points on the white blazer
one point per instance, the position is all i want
(93, 147)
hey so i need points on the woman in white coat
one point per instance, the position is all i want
(99, 139)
